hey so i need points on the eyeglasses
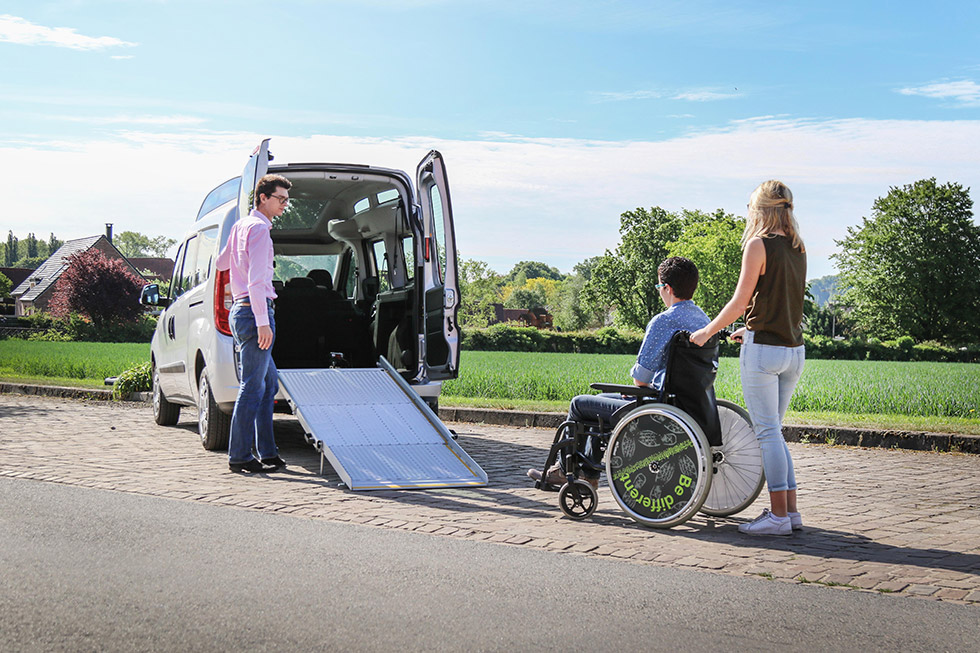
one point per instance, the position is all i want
(660, 285)
(283, 201)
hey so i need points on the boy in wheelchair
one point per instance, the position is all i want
(678, 279)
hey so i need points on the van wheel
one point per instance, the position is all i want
(212, 424)
(164, 412)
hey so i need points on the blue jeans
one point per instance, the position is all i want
(769, 375)
(592, 408)
(251, 421)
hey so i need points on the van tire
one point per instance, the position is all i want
(164, 412)
(213, 425)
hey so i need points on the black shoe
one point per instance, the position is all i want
(276, 463)
(251, 467)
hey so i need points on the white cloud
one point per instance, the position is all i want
(515, 198)
(703, 96)
(616, 96)
(123, 119)
(14, 29)
(965, 92)
(689, 95)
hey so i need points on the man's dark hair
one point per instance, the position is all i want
(680, 274)
(268, 184)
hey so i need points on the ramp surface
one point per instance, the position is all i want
(375, 431)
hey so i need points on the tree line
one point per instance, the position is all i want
(910, 269)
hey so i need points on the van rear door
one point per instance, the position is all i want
(255, 169)
(441, 282)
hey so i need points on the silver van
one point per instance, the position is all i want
(365, 266)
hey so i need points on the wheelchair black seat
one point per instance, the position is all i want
(689, 384)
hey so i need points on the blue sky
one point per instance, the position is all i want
(554, 117)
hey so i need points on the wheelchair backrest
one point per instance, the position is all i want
(689, 382)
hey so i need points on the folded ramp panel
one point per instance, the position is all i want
(375, 430)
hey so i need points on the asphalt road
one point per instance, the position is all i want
(93, 570)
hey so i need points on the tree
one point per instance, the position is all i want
(133, 244)
(31, 263)
(54, 244)
(479, 290)
(102, 289)
(913, 267)
(10, 252)
(31, 243)
(533, 270)
(825, 289)
(6, 285)
(626, 279)
(712, 241)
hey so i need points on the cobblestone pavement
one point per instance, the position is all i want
(875, 520)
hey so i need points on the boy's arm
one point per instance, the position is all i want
(651, 355)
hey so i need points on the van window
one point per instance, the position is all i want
(288, 267)
(175, 279)
(349, 272)
(362, 205)
(188, 274)
(223, 193)
(439, 229)
(184, 281)
(381, 264)
(408, 255)
(207, 240)
(387, 195)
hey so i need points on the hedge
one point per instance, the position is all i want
(609, 340)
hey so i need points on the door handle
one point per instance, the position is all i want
(170, 329)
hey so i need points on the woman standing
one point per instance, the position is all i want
(770, 292)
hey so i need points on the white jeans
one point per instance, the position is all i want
(769, 375)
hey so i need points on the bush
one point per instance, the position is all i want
(608, 340)
(75, 328)
(135, 379)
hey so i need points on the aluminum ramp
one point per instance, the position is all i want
(376, 431)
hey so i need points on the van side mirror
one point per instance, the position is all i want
(150, 296)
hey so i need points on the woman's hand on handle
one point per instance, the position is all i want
(701, 336)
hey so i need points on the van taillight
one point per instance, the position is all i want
(222, 301)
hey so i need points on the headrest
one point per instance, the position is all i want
(370, 286)
(301, 282)
(321, 278)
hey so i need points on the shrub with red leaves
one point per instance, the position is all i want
(104, 290)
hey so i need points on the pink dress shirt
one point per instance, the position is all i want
(248, 255)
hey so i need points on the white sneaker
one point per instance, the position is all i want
(796, 520)
(767, 524)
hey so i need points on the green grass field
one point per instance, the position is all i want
(948, 390)
(915, 396)
(89, 362)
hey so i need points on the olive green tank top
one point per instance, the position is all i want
(775, 313)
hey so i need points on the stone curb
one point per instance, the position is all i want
(854, 437)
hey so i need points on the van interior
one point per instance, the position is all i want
(345, 275)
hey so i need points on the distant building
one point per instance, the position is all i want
(539, 318)
(34, 293)
(154, 270)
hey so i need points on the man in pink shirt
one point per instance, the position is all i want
(248, 255)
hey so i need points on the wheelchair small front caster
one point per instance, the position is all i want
(578, 499)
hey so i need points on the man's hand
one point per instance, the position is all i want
(265, 337)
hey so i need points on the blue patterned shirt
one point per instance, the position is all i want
(651, 362)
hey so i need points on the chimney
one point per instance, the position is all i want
(108, 231)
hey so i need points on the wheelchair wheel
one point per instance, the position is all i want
(578, 499)
(738, 476)
(658, 464)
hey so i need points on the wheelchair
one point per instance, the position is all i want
(668, 453)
